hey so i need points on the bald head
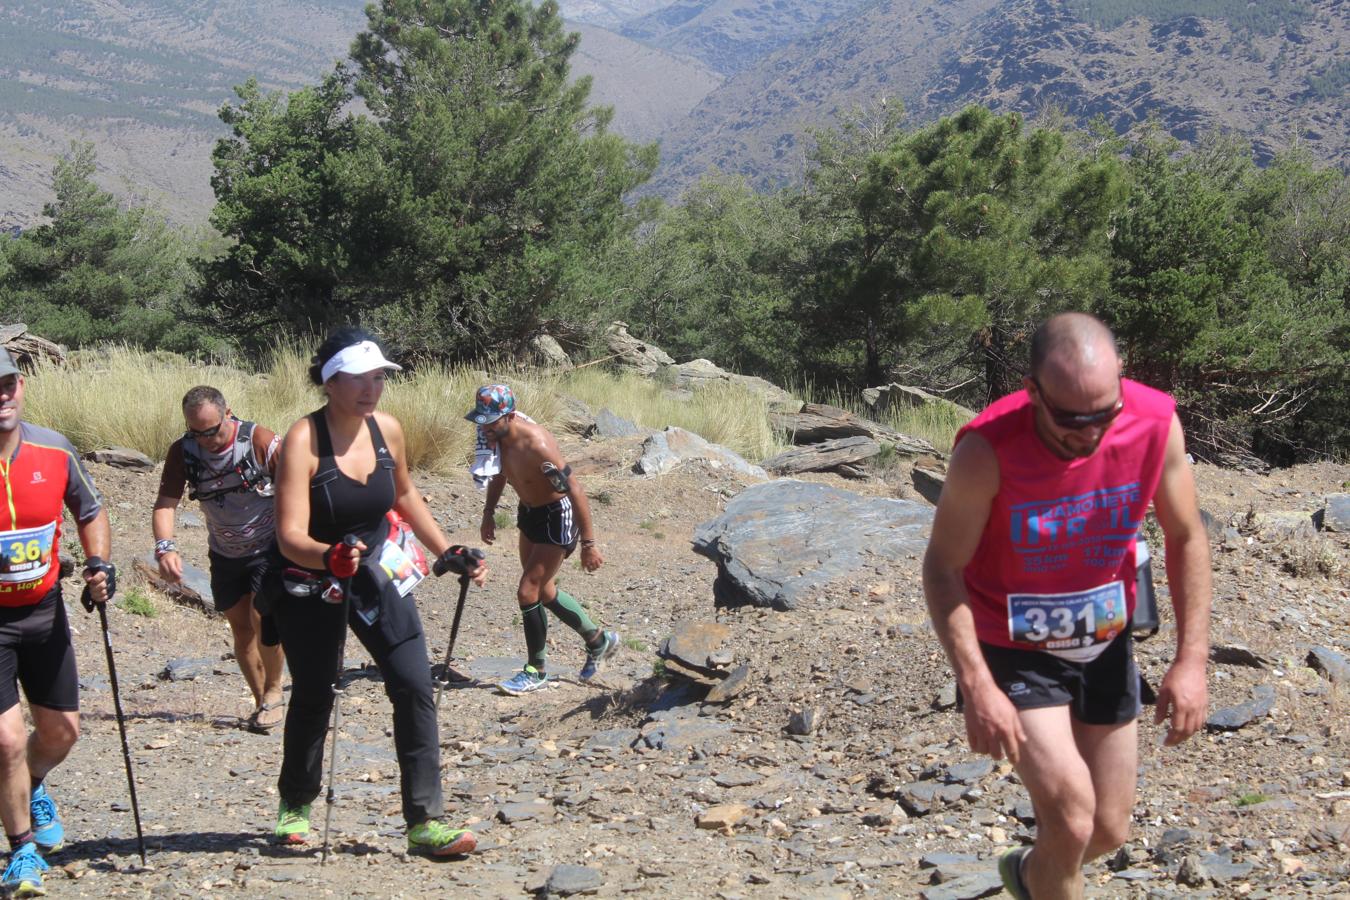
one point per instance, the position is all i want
(1074, 344)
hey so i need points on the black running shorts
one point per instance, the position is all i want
(35, 652)
(552, 524)
(232, 579)
(1102, 692)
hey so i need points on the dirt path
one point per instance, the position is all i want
(551, 779)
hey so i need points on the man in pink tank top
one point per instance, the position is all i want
(1029, 578)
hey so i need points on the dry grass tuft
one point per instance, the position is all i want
(119, 397)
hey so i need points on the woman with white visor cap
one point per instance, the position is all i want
(343, 467)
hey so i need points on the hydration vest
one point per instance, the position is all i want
(243, 474)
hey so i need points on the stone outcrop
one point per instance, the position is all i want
(27, 349)
(777, 543)
(701, 373)
(666, 450)
(635, 355)
(882, 399)
(546, 352)
(816, 422)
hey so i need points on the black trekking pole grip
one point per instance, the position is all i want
(88, 601)
(330, 798)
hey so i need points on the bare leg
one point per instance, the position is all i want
(540, 565)
(243, 627)
(1060, 784)
(1112, 754)
(273, 659)
(54, 733)
(15, 786)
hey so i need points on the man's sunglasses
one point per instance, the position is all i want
(207, 432)
(1075, 421)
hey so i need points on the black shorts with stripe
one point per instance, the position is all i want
(35, 653)
(552, 524)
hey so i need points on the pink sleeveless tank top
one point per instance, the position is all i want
(1055, 567)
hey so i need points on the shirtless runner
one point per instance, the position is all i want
(553, 516)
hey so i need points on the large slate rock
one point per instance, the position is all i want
(702, 373)
(576, 417)
(667, 450)
(778, 542)
(693, 644)
(193, 590)
(730, 687)
(891, 396)
(823, 456)
(633, 354)
(816, 422)
(928, 482)
(546, 352)
(27, 349)
(566, 879)
(1335, 516)
(1335, 667)
(608, 425)
(1234, 717)
(184, 668)
(121, 458)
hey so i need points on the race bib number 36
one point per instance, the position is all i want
(1064, 623)
(26, 554)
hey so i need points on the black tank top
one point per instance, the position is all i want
(339, 504)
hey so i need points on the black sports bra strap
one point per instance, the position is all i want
(376, 436)
(325, 441)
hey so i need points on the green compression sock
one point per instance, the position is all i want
(566, 608)
(536, 634)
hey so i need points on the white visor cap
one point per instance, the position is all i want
(357, 359)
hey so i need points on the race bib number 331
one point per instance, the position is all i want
(1071, 621)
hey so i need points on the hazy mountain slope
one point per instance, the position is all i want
(731, 35)
(607, 13)
(755, 124)
(1196, 74)
(651, 90)
(143, 80)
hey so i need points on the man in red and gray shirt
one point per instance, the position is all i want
(41, 476)
(227, 466)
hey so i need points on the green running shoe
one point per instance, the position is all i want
(292, 823)
(435, 838)
(1010, 871)
(23, 875)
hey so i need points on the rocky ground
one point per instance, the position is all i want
(636, 786)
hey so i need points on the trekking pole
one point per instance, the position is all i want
(87, 599)
(454, 633)
(331, 798)
(465, 561)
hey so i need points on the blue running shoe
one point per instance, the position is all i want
(609, 643)
(47, 829)
(526, 680)
(23, 877)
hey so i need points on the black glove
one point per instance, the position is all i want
(98, 564)
(458, 559)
